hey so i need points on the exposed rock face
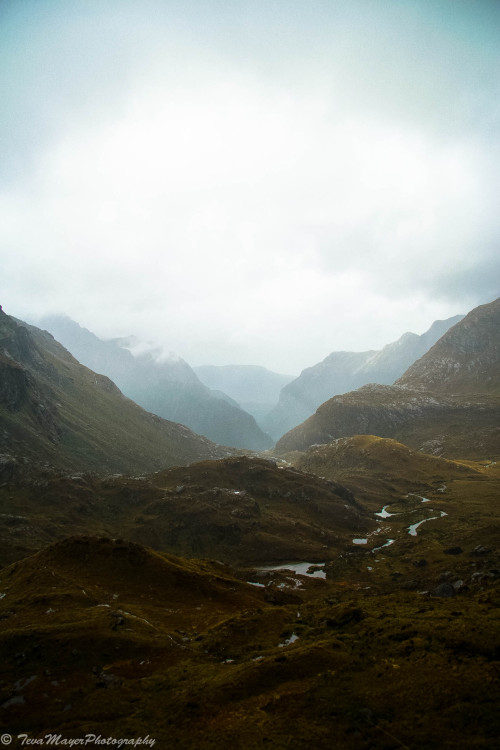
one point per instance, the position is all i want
(19, 390)
(342, 372)
(161, 383)
(466, 360)
(383, 410)
(54, 410)
(447, 403)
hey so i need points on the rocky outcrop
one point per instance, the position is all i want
(372, 410)
(466, 360)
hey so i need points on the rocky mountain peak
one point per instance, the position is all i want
(465, 359)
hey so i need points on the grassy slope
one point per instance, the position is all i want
(379, 470)
(239, 509)
(109, 638)
(71, 417)
(383, 472)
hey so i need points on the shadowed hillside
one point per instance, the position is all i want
(104, 637)
(244, 510)
(163, 384)
(53, 410)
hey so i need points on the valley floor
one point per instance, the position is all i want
(389, 647)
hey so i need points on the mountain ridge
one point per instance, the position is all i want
(343, 372)
(420, 409)
(55, 410)
(466, 359)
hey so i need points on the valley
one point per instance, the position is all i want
(338, 590)
(395, 646)
(250, 374)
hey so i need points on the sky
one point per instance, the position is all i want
(250, 181)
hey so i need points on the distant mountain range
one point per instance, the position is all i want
(236, 405)
(255, 388)
(447, 403)
(57, 412)
(342, 372)
(161, 383)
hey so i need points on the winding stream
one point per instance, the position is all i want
(317, 570)
(385, 514)
(412, 530)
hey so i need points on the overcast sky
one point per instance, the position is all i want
(250, 181)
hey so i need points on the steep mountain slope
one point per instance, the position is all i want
(299, 399)
(448, 403)
(255, 388)
(54, 410)
(394, 359)
(342, 372)
(465, 361)
(161, 383)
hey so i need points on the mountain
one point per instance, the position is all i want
(161, 383)
(54, 410)
(466, 360)
(299, 399)
(386, 637)
(342, 372)
(254, 388)
(447, 403)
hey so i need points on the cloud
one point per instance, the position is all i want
(252, 185)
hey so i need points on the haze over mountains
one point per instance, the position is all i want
(161, 383)
(236, 405)
(255, 388)
(411, 410)
(54, 410)
(446, 403)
